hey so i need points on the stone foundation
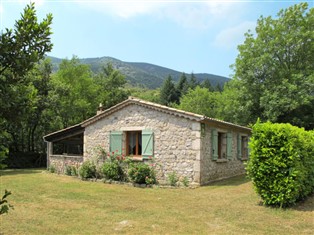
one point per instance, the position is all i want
(60, 162)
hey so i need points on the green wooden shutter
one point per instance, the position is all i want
(229, 145)
(147, 143)
(239, 144)
(116, 142)
(214, 144)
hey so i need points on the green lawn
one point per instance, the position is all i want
(55, 204)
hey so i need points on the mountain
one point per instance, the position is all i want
(142, 74)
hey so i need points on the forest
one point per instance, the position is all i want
(273, 81)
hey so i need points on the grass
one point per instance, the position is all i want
(47, 203)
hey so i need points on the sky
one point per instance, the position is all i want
(198, 36)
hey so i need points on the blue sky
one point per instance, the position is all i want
(198, 36)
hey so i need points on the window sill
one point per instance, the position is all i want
(221, 160)
(137, 158)
(244, 159)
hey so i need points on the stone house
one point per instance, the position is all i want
(200, 148)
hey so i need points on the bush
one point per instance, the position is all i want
(73, 171)
(67, 170)
(141, 173)
(114, 167)
(185, 181)
(112, 170)
(87, 170)
(173, 179)
(281, 163)
(52, 168)
(70, 170)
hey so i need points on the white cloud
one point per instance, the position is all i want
(231, 37)
(190, 14)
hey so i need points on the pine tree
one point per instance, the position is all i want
(168, 92)
(206, 84)
(182, 86)
(193, 81)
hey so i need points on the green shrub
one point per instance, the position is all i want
(70, 170)
(67, 170)
(173, 179)
(281, 163)
(115, 167)
(74, 171)
(4, 204)
(52, 168)
(87, 170)
(112, 170)
(185, 181)
(141, 173)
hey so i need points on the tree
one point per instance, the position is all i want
(20, 50)
(193, 81)
(275, 69)
(74, 96)
(26, 45)
(168, 92)
(200, 101)
(183, 85)
(206, 84)
(112, 84)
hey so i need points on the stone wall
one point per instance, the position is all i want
(176, 139)
(212, 170)
(61, 161)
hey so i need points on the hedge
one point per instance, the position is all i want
(281, 163)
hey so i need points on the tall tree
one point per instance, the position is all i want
(112, 86)
(183, 85)
(275, 68)
(75, 93)
(168, 92)
(200, 101)
(206, 84)
(193, 81)
(20, 50)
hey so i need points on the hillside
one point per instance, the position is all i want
(142, 74)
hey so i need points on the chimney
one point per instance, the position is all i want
(100, 109)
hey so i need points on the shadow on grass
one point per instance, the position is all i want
(233, 181)
(21, 171)
(305, 205)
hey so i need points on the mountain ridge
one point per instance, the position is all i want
(141, 73)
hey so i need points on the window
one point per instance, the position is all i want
(134, 143)
(69, 146)
(221, 145)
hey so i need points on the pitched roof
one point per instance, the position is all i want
(161, 108)
(64, 133)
